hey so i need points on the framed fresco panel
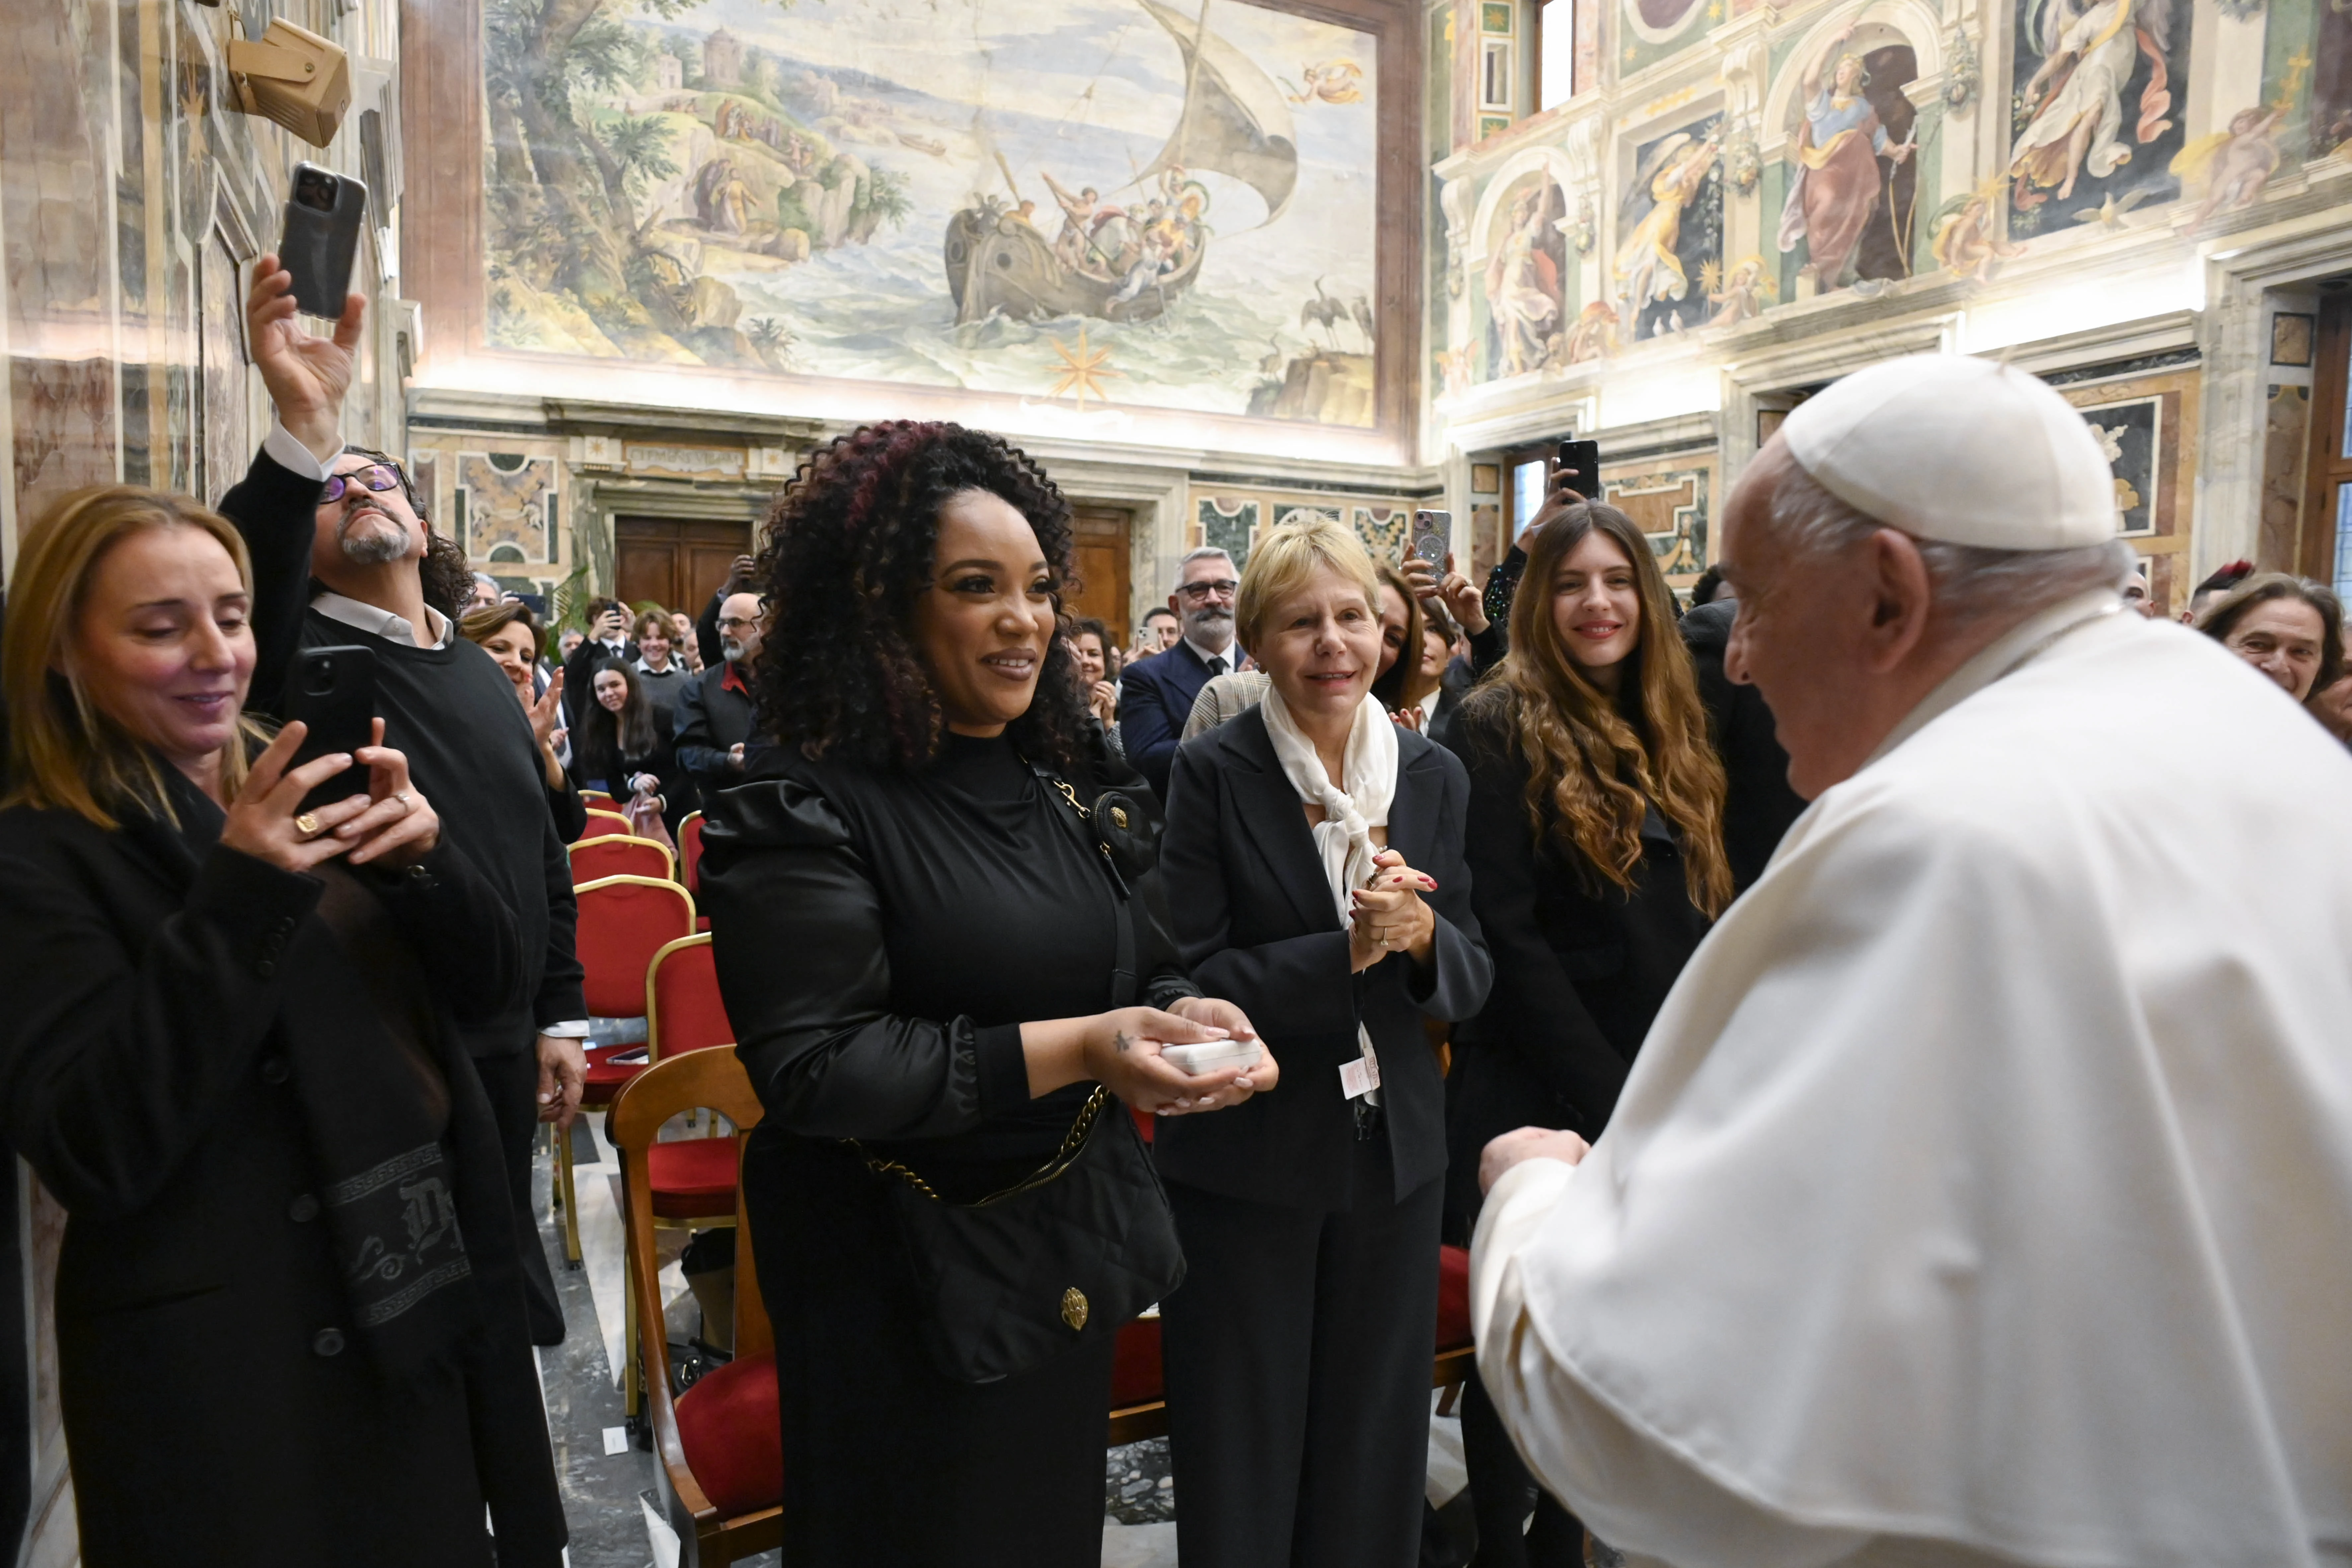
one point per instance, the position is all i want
(1669, 498)
(1098, 222)
(2142, 423)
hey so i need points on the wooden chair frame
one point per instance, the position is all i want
(689, 826)
(668, 859)
(594, 816)
(711, 1080)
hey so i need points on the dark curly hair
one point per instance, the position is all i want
(846, 551)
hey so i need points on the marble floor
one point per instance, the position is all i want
(608, 1484)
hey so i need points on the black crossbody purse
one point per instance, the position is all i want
(1078, 1247)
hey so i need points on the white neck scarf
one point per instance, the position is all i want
(1344, 838)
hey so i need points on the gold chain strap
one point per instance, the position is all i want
(1071, 1144)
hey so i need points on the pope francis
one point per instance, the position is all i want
(1983, 1193)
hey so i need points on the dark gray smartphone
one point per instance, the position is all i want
(1433, 536)
(1580, 468)
(333, 692)
(323, 236)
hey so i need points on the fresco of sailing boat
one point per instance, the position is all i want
(1130, 262)
(963, 193)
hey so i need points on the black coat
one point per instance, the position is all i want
(1579, 970)
(1758, 804)
(156, 989)
(1155, 698)
(714, 714)
(1255, 920)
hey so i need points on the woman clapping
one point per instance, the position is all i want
(1314, 868)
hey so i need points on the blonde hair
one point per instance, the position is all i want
(66, 755)
(1282, 561)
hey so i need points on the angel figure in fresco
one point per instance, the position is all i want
(1333, 81)
(1647, 270)
(2233, 165)
(1838, 183)
(1739, 295)
(1965, 240)
(2076, 99)
(1595, 336)
(1523, 280)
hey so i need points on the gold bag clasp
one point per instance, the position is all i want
(1073, 1309)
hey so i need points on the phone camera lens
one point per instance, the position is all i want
(315, 190)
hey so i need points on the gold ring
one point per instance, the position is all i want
(308, 825)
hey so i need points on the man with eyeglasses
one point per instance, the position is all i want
(343, 555)
(715, 717)
(1155, 694)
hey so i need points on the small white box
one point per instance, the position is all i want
(1210, 1056)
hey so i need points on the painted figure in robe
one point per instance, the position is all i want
(2076, 99)
(1838, 183)
(1647, 269)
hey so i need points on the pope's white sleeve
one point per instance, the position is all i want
(1631, 1491)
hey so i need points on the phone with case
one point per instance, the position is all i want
(1433, 536)
(1580, 468)
(334, 693)
(323, 217)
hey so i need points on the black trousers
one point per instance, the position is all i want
(1503, 1493)
(888, 1463)
(1297, 1354)
(512, 1082)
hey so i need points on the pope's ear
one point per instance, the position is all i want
(1901, 597)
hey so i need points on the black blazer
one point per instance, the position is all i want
(1155, 699)
(1758, 804)
(1254, 918)
(155, 986)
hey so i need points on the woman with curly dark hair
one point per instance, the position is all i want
(1597, 865)
(931, 967)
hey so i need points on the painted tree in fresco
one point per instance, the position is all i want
(564, 194)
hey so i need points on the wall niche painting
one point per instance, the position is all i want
(1524, 283)
(2099, 90)
(1852, 182)
(1670, 222)
(1228, 524)
(1073, 202)
(1667, 500)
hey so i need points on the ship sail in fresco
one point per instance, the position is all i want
(1130, 262)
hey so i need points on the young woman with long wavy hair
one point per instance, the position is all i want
(1595, 850)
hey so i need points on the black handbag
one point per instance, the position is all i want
(1075, 1249)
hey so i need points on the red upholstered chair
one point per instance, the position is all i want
(592, 795)
(617, 855)
(721, 1476)
(603, 824)
(689, 851)
(623, 922)
(683, 1010)
(1455, 1351)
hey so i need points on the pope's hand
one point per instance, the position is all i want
(1527, 1143)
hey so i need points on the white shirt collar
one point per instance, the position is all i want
(1206, 655)
(2002, 657)
(667, 669)
(383, 623)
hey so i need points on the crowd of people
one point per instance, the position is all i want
(1879, 1025)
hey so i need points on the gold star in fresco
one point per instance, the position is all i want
(1714, 11)
(1082, 369)
(1629, 53)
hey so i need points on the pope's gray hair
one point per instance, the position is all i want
(1206, 552)
(1969, 582)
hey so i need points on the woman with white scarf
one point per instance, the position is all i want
(1313, 863)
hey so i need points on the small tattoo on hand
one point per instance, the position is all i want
(1119, 1040)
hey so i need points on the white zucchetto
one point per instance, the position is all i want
(1963, 450)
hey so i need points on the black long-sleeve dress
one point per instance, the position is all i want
(880, 938)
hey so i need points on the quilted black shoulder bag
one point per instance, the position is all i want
(1084, 1243)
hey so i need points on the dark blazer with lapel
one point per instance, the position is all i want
(1155, 698)
(1255, 919)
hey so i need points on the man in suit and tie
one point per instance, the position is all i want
(1156, 694)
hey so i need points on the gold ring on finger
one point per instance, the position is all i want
(307, 824)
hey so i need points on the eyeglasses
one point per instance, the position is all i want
(737, 622)
(377, 477)
(1222, 588)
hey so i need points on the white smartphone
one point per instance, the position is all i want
(1211, 1056)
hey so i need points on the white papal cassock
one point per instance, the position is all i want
(1984, 1189)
